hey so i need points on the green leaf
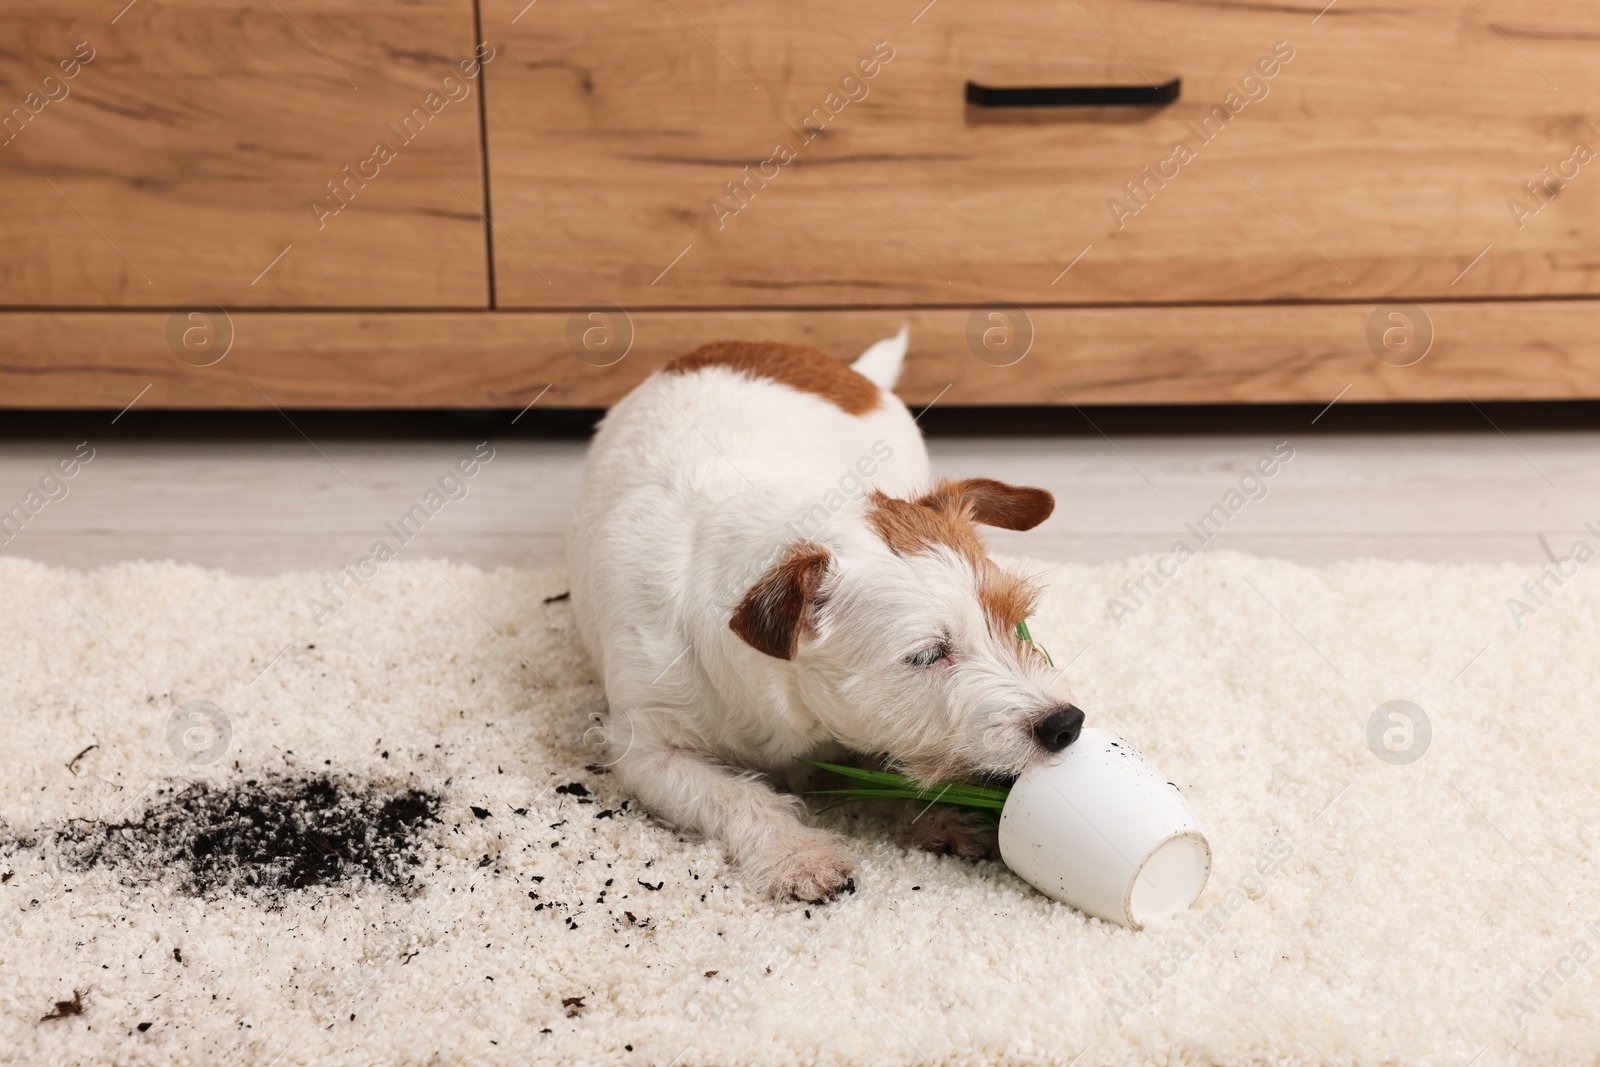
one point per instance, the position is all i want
(861, 773)
(888, 785)
(1027, 635)
(910, 794)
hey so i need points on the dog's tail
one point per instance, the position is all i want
(882, 362)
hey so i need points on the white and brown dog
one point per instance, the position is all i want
(762, 569)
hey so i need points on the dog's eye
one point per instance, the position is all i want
(929, 656)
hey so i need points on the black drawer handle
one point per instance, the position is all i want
(1075, 95)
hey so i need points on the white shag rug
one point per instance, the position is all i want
(1361, 911)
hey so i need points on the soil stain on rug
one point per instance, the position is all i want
(264, 837)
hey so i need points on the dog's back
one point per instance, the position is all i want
(730, 416)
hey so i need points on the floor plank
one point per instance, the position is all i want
(266, 506)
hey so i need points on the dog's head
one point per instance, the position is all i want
(902, 633)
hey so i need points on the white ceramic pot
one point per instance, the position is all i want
(1098, 827)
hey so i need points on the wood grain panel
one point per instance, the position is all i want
(185, 156)
(1173, 355)
(1380, 161)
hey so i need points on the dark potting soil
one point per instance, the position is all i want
(263, 837)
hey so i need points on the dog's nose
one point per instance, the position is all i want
(1060, 728)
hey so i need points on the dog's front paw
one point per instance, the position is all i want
(815, 869)
(953, 833)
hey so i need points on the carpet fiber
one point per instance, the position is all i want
(399, 849)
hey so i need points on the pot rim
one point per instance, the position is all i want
(1127, 897)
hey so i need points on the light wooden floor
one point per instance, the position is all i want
(262, 505)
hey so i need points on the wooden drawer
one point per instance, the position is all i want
(1380, 158)
(187, 152)
(1314, 354)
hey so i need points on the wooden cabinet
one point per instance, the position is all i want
(423, 202)
(228, 154)
(825, 154)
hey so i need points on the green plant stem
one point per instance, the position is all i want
(888, 785)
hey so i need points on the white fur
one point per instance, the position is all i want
(882, 362)
(694, 486)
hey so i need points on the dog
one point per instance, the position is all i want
(763, 568)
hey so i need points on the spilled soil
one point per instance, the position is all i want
(263, 837)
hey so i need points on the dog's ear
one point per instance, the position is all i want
(992, 503)
(782, 605)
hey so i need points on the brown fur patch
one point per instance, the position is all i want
(945, 517)
(779, 608)
(1007, 598)
(796, 366)
(992, 503)
(946, 514)
(911, 527)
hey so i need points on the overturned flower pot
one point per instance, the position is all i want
(1095, 826)
(1098, 827)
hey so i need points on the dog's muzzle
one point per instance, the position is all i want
(1059, 729)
